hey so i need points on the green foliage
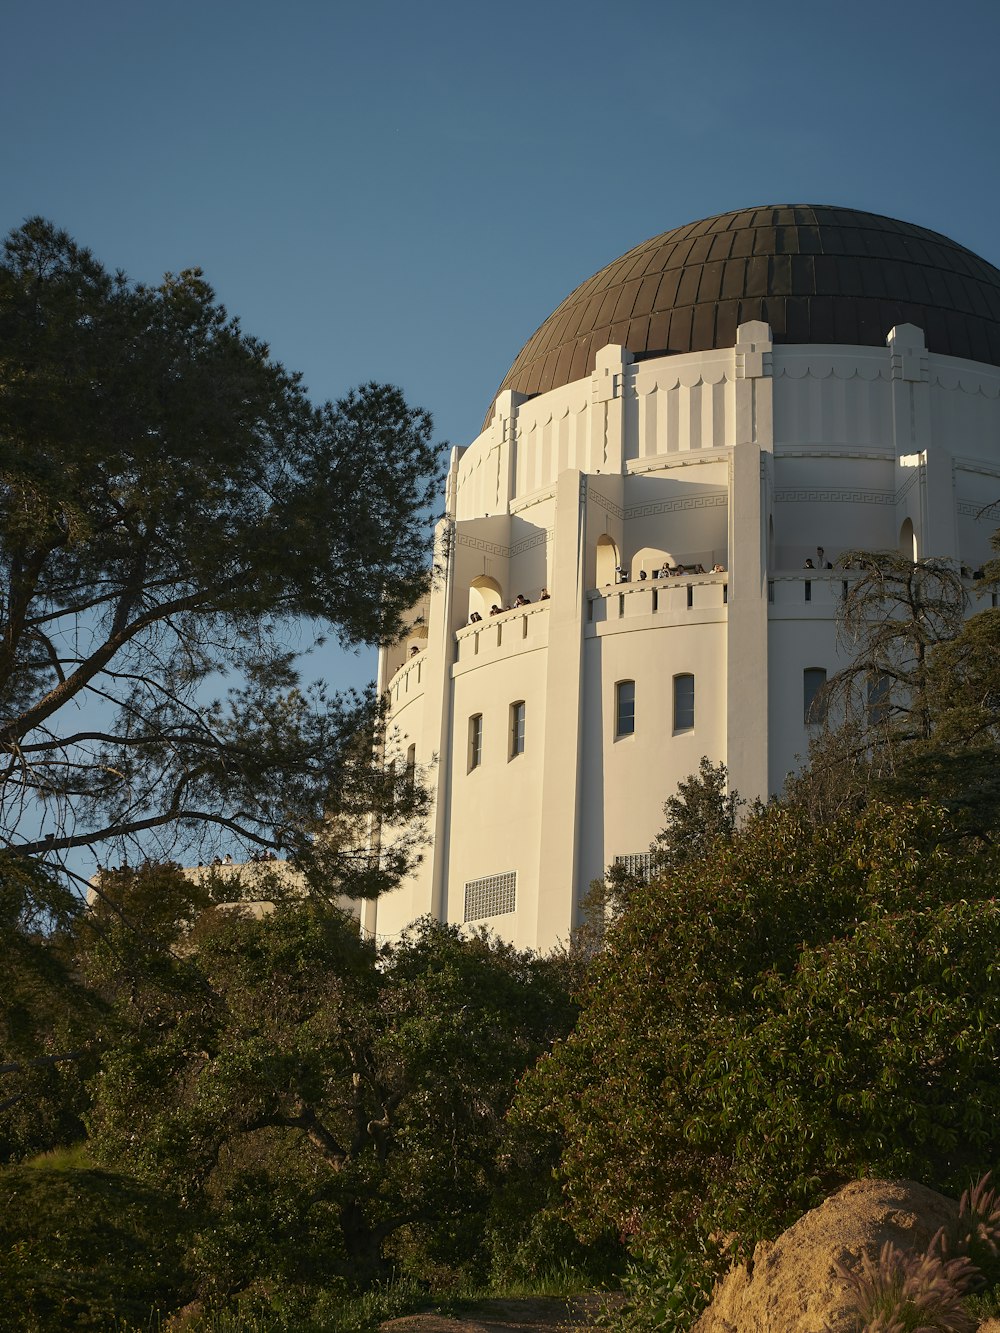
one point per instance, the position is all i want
(83, 1249)
(804, 1005)
(173, 510)
(47, 1018)
(665, 1290)
(702, 812)
(332, 1107)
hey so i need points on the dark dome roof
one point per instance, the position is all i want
(815, 274)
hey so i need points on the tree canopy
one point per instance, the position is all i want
(288, 1064)
(802, 1005)
(173, 509)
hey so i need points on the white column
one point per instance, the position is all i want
(749, 484)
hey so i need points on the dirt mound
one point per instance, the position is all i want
(790, 1285)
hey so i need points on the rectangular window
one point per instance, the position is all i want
(411, 767)
(690, 596)
(625, 708)
(494, 895)
(813, 700)
(809, 591)
(475, 741)
(684, 702)
(516, 729)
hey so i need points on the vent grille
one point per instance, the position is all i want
(494, 895)
(638, 864)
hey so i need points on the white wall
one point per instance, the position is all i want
(750, 456)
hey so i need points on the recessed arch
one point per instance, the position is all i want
(607, 560)
(649, 560)
(908, 540)
(484, 593)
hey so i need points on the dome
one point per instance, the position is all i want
(816, 274)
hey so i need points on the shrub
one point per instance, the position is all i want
(802, 1006)
(82, 1248)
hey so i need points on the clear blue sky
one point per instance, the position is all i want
(403, 191)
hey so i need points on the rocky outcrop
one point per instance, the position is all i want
(791, 1284)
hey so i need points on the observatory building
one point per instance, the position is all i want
(737, 401)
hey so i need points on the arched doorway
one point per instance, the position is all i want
(484, 592)
(607, 560)
(908, 540)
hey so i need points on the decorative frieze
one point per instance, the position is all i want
(705, 500)
(786, 495)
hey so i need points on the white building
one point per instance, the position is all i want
(737, 393)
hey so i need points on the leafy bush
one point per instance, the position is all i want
(83, 1248)
(802, 1006)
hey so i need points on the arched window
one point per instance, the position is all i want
(684, 702)
(475, 741)
(516, 729)
(624, 708)
(908, 540)
(813, 698)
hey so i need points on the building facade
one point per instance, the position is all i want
(728, 401)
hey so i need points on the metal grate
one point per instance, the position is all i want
(638, 864)
(493, 895)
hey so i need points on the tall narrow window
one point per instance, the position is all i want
(878, 700)
(475, 741)
(411, 767)
(625, 708)
(516, 728)
(684, 703)
(813, 699)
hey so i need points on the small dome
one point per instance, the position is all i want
(816, 274)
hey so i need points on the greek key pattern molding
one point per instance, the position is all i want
(985, 513)
(607, 505)
(788, 496)
(527, 543)
(710, 500)
(477, 544)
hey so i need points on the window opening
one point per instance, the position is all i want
(475, 741)
(516, 729)
(684, 702)
(809, 591)
(878, 699)
(813, 700)
(625, 708)
(690, 596)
